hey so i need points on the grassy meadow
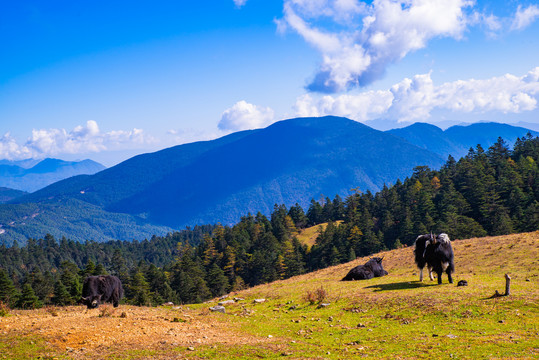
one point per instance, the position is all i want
(317, 316)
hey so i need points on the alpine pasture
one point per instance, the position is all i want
(317, 316)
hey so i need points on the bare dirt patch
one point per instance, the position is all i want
(82, 333)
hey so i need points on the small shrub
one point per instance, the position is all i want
(4, 309)
(106, 311)
(52, 310)
(316, 296)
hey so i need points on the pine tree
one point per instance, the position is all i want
(298, 216)
(230, 263)
(61, 295)
(217, 281)
(42, 285)
(28, 298)
(314, 214)
(210, 253)
(100, 270)
(70, 278)
(89, 269)
(8, 292)
(140, 290)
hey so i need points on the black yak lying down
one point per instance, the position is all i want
(372, 268)
(101, 289)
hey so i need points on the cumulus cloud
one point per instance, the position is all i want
(364, 39)
(358, 40)
(243, 116)
(82, 139)
(524, 17)
(415, 98)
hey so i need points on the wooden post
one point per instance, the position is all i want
(507, 285)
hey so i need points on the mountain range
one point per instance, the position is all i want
(31, 175)
(291, 161)
(457, 140)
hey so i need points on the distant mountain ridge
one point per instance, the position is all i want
(31, 175)
(458, 139)
(218, 181)
(7, 194)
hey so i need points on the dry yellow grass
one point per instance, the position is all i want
(308, 235)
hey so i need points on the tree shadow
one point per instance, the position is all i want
(399, 286)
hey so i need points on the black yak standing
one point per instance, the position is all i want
(372, 268)
(101, 289)
(437, 254)
(419, 253)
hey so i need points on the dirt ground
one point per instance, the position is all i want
(80, 333)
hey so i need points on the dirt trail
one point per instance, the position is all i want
(83, 333)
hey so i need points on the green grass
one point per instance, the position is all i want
(24, 348)
(398, 317)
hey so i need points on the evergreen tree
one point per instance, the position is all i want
(61, 295)
(28, 298)
(216, 281)
(140, 290)
(314, 214)
(42, 285)
(89, 269)
(71, 280)
(298, 216)
(100, 270)
(8, 292)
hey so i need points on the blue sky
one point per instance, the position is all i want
(104, 81)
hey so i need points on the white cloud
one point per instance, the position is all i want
(82, 139)
(358, 40)
(243, 116)
(365, 39)
(416, 98)
(240, 3)
(9, 149)
(524, 17)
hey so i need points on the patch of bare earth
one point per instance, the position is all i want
(83, 333)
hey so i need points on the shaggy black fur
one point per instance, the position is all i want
(100, 289)
(372, 268)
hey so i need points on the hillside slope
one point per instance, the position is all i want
(73, 219)
(7, 194)
(392, 317)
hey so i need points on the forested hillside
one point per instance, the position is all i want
(223, 179)
(7, 194)
(490, 192)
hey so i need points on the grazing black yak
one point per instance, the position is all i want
(419, 253)
(436, 253)
(372, 268)
(439, 256)
(100, 289)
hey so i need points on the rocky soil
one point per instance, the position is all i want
(80, 333)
